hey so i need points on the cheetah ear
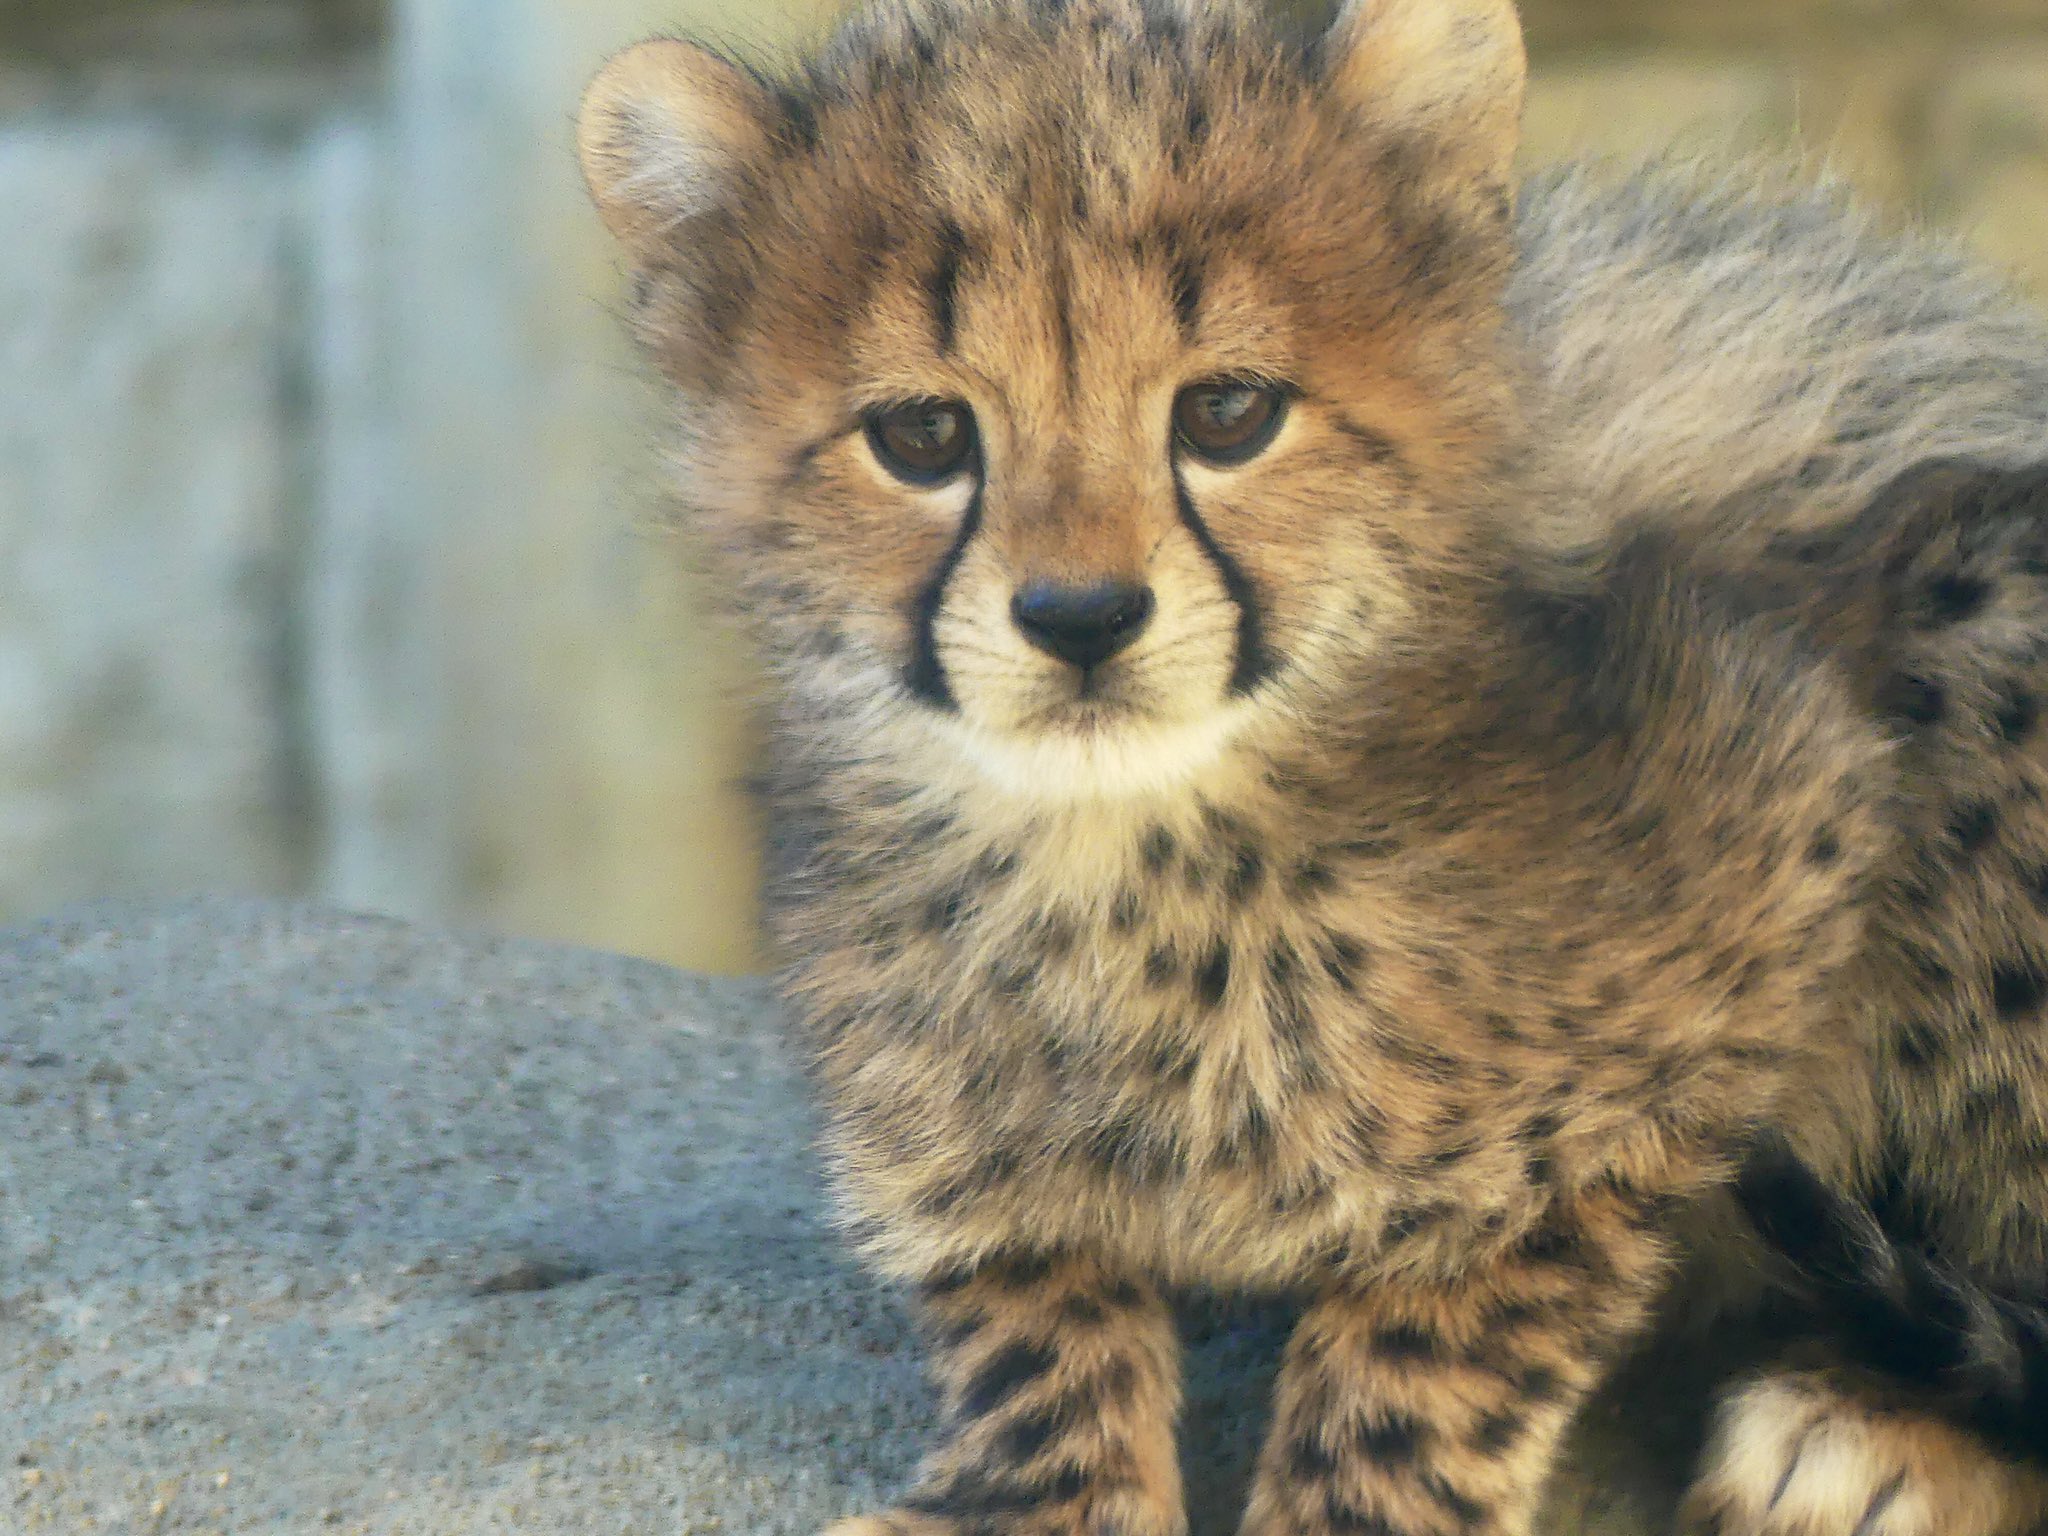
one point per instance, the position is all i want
(1450, 72)
(664, 130)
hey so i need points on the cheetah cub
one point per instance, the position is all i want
(1344, 727)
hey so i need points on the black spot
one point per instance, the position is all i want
(948, 1282)
(1395, 1439)
(955, 1332)
(1310, 1458)
(1125, 1145)
(1539, 1384)
(1376, 447)
(1055, 937)
(1253, 1134)
(1024, 1437)
(1554, 1244)
(1287, 1009)
(1930, 967)
(1540, 1129)
(797, 468)
(1342, 958)
(1213, 979)
(979, 1492)
(1825, 847)
(1124, 913)
(1158, 849)
(1314, 876)
(1506, 1315)
(1084, 1311)
(2017, 716)
(1467, 1511)
(1161, 965)
(1404, 1222)
(1174, 1063)
(930, 827)
(1063, 324)
(1399, 1341)
(1972, 824)
(1362, 1133)
(1986, 1107)
(2017, 987)
(1376, 847)
(1343, 1520)
(1012, 980)
(1881, 1501)
(1118, 1384)
(1495, 1432)
(1019, 1271)
(1954, 598)
(942, 912)
(1918, 700)
(1247, 870)
(1005, 1373)
(1184, 280)
(1917, 1043)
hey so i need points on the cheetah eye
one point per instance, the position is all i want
(924, 442)
(1228, 420)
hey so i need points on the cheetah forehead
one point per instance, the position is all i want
(1028, 121)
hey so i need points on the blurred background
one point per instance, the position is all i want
(327, 564)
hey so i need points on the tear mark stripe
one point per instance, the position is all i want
(925, 674)
(1255, 661)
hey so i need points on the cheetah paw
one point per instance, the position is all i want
(1799, 1456)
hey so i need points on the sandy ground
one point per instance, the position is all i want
(318, 1222)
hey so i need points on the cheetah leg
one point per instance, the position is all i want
(1062, 1385)
(1428, 1410)
(1804, 1454)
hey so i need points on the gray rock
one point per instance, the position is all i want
(311, 1221)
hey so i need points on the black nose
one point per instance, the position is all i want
(1084, 626)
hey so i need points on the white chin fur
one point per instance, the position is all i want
(1114, 763)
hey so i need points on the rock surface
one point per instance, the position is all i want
(314, 1222)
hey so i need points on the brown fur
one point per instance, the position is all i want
(1520, 797)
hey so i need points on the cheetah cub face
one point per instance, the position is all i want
(1073, 390)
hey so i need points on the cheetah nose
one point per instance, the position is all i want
(1083, 626)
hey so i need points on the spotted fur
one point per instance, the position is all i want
(1601, 724)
